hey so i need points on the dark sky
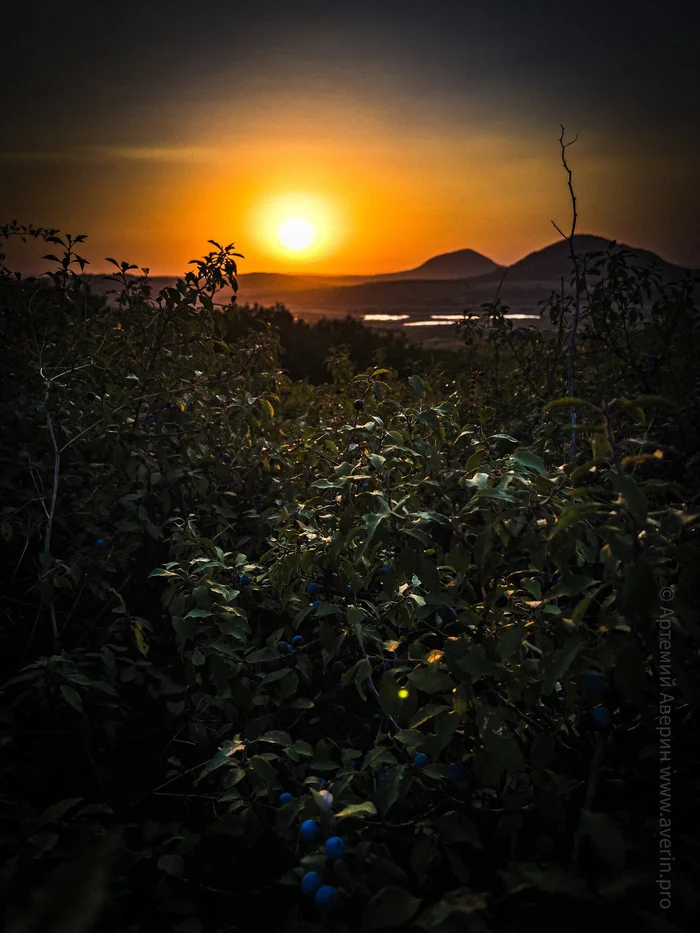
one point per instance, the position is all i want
(417, 127)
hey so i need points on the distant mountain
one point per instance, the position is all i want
(449, 282)
(553, 261)
(525, 282)
(461, 264)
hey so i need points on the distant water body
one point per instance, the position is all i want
(435, 320)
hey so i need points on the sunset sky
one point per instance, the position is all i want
(350, 137)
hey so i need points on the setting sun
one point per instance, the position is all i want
(296, 226)
(296, 234)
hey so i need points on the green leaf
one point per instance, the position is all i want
(276, 737)
(509, 640)
(362, 674)
(632, 496)
(417, 385)
(72, 697)
(198, 658)
(531, 462)
(571, 401)
(390, 788)
(366, 808)
(429, 711)
(559, 664)
(172, 865)
(458, 904)
(574, 513)
(192, 925)
(57, 810)
(390, 907)
(504, 437)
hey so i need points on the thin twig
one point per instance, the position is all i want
(577, 296)
(52, 511)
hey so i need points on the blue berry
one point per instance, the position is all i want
(151, 420)
(334, 847)
(311, 882)
(283, 647)
(339, 667)
(245, 580)
(348, 590)
(309, 831)
(297, 640)
(595, 682)
(602, 716)
(226, 458)
(359, 404)
(313, 588)
(327, 897)
(100, 542)
(315, 604)
(340, 709)
(384, 570)
(286, 798)
(420, 760)
(454, 771)
(365, 728)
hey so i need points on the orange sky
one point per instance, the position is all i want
(381, 201)
(400, 136)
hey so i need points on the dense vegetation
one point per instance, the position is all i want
(381, 621)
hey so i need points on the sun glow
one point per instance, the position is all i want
(297, 227)
(296, 234)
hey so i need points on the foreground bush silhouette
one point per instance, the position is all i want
(171, 495)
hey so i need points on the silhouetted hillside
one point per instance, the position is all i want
(553, 261)
(461, 264)
(524, 283)
(448, 282)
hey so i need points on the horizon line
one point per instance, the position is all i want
(499, 266)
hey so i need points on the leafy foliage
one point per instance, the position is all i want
(237, 602)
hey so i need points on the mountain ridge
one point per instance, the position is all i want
(439, 283)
